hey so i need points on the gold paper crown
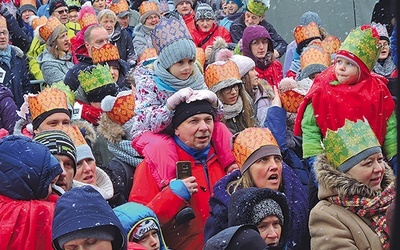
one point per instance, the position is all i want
(105, 53)
(302, 33)
(148, 53)
(348, 141)
(67, 90)
(3, 22)
(87, 17)
(74, 133)
(331, 44)
(314, 55)
(200, 56)
(98, 77)
(118, 7)
(120, 109)
(25, 2)
(46, 30)
(291, 100)
(249, 140)
(48, 99)
(148, 6)
(40, 21)
(220, 71)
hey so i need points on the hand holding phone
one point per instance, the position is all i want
(183, 169)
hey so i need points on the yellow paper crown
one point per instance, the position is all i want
(304, 32)
(147, 6)
(314, 55)
(331, 44)
(220, 71)
(48, 99)
(118, 7)
(40, 21)
(105, 53)
(98, 77)
(46, 30)
(3, 22)
(120, 109)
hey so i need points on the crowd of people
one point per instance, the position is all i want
(174, 125)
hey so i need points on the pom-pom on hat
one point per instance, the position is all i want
(382, 31)
(120, 8)
(309, 17)
(97, 83)
(221, 74)
(55, 4)
(343, 153)
(252, 144)
(25, 5)
(148, 8)
(314, 59)
(258, 7)
(204, 12)
(120, 109)
(185, 110)
(172, 41)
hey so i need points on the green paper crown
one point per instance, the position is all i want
(73, 3)
(348, 141)
(96, 78)
(258, 7)
(64, 88)
(363, 44)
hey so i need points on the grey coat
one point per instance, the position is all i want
(142, 39)
(53, 69)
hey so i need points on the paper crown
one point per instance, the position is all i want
(258, 7)
(148, 53)
(362, 42)
(72, 3)
(348, 141)
(169, 30)
(27, 2)
(38, 21)
(3, 22)
(51, 25)
(220, 71)
(120, 109)
(291, 100)
(74, 133)
(200, 56)
(248, 141)
(382, 31)
(105, 53)
(66, 89)
(314, 59)
(48, 99)
(303, 32)
(119, 6)
(87, 16)
(147, 6)
(331, 44)
(98, 77)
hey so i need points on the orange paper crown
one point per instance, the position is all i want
(48, 99)
(291, 100)
(220, 71)
(147, 6)
(25, 2)
(120, 109)
(200, 56)
(148, 53)
(121, 5)
(105, 53)
(314, 55)
(87, 16)
(51, 25)
(74, 133)
(3, 22)
(40, 21)
(302, 33)
(331, 44)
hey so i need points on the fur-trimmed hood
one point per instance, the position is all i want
(333, 182)
(112, 131)
(87, 130)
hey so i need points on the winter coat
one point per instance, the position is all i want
(273, 74)
(71, 78)
(132, 214)
(203, 39)
(189, 20)
(167, 204)
(18, 37)
(8, 110)
(229, 19)
(333, 226)
(393, 45)
(238, 26)
(142, 39)
(53, 69)
(298, 237)
(34, 51)
(17, 76)
(236, 124)
(121, 39)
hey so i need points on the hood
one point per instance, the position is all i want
(103, 184)
(86, 129)
(112, 131)
(333, 182)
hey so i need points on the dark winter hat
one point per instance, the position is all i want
(185, 110)
(54, 4)
(238, 2)
(58, 143)
(266, 208)
(204, 11)
(143, 228)
(27, 5)
(309, 17)
(176, 2)
(100, 233)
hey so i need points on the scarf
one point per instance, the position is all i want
(198, 155)
(234, 110)
(5, 56)
(169, 82)
(372, 208)
(385, 68)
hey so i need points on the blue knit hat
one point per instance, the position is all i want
(309, 17)
(238, 2)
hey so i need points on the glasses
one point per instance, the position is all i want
(62, 11)
(383, 45)
(228, 90)
(4, 32)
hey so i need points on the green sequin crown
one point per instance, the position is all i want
(64, 88)
(96, 78)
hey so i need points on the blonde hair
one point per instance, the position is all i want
(106, 13)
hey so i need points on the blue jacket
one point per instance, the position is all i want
(393, 45)
(8, 110)
(26, 168)
(82, 208)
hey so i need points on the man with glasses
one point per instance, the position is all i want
(59, 9)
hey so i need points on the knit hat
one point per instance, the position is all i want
(343, 153)
(97, 83)
(204, 11)
(258, 7)
(252, 144)
(55, 4)
(314, 60)
(83, 150)
(87, 16)
(25, 5)
(59, 143)
(47, 102)
(120, 8)
(266, 208)
(185, 110)
(221, 74)
(172, 41)
(176, 2)
(143, 228)
(303, 34)
(244, 63)
(51, 30)
(361, 46)
(252, 33)
(309, 17)
(100, 233)
(238, 2)
(121, 108)
(146, 9)
(382, 31)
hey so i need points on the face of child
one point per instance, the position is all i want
(346, 71)
(232, 7)
(259, 47)
(270, 230)
(150, 240)
(182, 69)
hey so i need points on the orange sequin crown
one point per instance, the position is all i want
(48, 99)
(105, 53)
(331, 44)
(87, 16)
(51, 25)
(148, 6)
(118, 7)
(220, 71)
(120, 109)
(40, 21)
(304, 32)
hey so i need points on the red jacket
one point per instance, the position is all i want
(166, 204)
(25, 224)
(273, 74)
(198, 35)
(189, 20)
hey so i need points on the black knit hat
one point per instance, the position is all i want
(185, 110)
(54, 4)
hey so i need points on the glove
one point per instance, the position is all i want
(181, 96)
(204, 94)
(4, 11)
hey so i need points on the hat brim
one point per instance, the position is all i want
(123, 13)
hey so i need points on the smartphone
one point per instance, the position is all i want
(183, 169)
